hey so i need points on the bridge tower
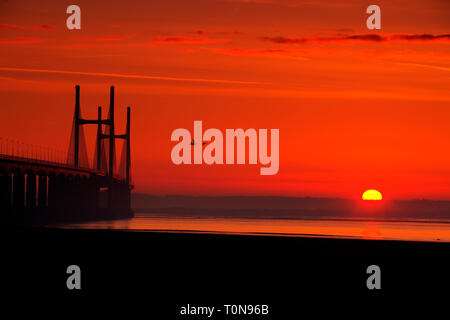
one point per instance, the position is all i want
(119, 187)
(47, 190)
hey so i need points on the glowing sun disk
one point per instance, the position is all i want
(372, 195)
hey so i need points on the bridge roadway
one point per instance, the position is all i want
(37, 191)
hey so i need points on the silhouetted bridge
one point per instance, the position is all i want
(41, 185)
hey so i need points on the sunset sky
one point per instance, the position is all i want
(357, 109)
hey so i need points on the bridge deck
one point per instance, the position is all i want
(25, 164)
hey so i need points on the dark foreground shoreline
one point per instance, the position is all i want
(171, 269)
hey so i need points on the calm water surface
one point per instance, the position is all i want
(334, 228)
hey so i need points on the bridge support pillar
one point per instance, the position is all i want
(5, 191)
(77, 198)
(18, 190)
(125, 196)
(84, 193)
(42, 195)
(60, 191)
(31, 190)
(128, 197)
(70, 193)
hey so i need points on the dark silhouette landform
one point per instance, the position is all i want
(275, 207)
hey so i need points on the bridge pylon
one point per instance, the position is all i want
(105, 143)
(47, 190)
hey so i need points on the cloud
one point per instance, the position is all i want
(42, 27)
(248, 52)
(186, 40)
(343, 30)
(360, 38)
(20, 40)
(252, 1)
(303, 40)
(269, 53)
(297, 3)
(127, 76)
(99, 39)
(95, 41)
(430, 66)
(421, 37)
(206, 32)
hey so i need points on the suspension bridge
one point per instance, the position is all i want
(43, 185)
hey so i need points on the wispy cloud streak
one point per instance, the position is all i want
(219, 32)
(42, 27)
(360, 38)
(186, 40)
(128, 76)
(423, 65)
(20, 40)
(99, 38)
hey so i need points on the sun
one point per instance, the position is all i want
(372, 195)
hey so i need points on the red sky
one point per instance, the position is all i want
(355, 110)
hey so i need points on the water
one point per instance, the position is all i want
(411, 230)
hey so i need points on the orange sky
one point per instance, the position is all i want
(355, 111)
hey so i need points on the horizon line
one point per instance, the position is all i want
(279, 196)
